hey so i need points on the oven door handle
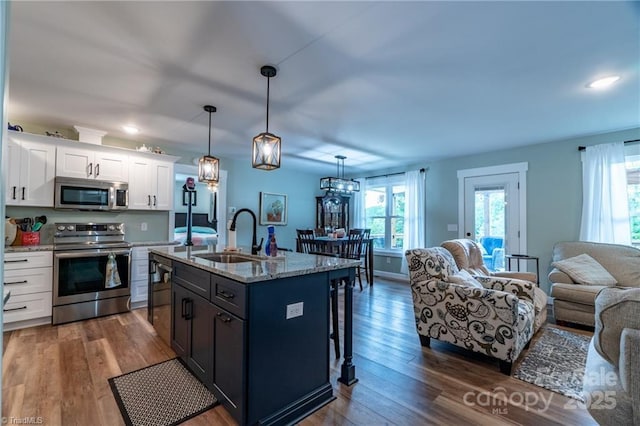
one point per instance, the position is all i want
(88, 253)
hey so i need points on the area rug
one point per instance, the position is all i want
(161, 394)
(556, 362)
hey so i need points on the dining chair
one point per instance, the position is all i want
(366, 241)
(352, 249)
(306, 243)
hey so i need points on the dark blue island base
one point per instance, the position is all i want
(261, 347)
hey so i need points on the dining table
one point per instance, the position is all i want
(336, 245)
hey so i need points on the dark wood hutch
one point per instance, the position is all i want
(332, 210)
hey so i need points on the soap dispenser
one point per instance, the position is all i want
(267, 248)
(231, 244)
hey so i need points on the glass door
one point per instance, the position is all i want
(491, 216)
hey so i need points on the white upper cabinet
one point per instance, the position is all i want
(30, 171)
(92, 164)
(151, 184)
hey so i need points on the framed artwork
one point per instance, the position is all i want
(185, 198)
(273, 209)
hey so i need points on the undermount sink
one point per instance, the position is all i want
(228, 257)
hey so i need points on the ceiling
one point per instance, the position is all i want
(386, 84)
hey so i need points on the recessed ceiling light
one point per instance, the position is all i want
(603, 82)
(132, 130)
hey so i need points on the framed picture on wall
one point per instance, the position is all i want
(273, 209)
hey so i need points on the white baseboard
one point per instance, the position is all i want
(391, 275)
(26, 323)
(138, 305)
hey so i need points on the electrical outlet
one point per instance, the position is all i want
(143, 226)
(388, 260)
(295, 310)
(232, 211)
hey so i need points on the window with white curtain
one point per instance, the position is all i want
(384, 204)
(632, 163)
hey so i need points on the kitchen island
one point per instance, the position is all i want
(255, 330)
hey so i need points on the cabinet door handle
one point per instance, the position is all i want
(97, 169)
(14, 309)
(15, 188)
(223, 317)
(23, 189)
(17, 282)
(149, 200)
(155, 201)
(226, 295)
(183, 313)
(16, 261)
(189, 305)
(90, 169)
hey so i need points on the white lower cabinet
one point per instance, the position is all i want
(28, 276)
(140, 275)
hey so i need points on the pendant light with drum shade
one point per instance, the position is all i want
(266, 146)
(209, 166)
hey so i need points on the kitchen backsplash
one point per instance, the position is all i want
(157, 222)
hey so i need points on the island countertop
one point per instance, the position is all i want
(263, 268)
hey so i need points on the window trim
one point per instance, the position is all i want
(388, 182)
(521, 169)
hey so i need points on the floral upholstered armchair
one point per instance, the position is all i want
(487, 315)
(468, 256)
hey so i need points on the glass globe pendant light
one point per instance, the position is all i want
(266, 146)
(209, 166)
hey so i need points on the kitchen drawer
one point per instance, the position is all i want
(36, 280)
(229, 294)
(140, 270)
(27, 306)
(29, 260)
(139, 291)
(194, 279)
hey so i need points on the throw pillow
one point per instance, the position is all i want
(584, 269)
(462, 277)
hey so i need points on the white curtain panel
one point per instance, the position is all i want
(359, 215)
(605, 206)
(414, 217)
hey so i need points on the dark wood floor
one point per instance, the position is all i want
(59, 373)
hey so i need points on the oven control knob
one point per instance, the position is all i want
(111, 228)
(61, 228)
(70, 228)
(121, 226)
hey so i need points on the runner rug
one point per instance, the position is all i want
(556, 362)
(160, 395)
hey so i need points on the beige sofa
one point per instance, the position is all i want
(611, 385)
(574, 302)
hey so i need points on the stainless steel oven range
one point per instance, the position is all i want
(91, 271)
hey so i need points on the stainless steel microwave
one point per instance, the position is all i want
(90, 194)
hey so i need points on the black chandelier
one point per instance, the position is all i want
(209, 166)
(266, 146)
(339, 183)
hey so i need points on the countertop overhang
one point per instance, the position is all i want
(262, 268)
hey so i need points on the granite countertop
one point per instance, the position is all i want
(154, 243)
(23, 249)
(287, 264)
(45, 247)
